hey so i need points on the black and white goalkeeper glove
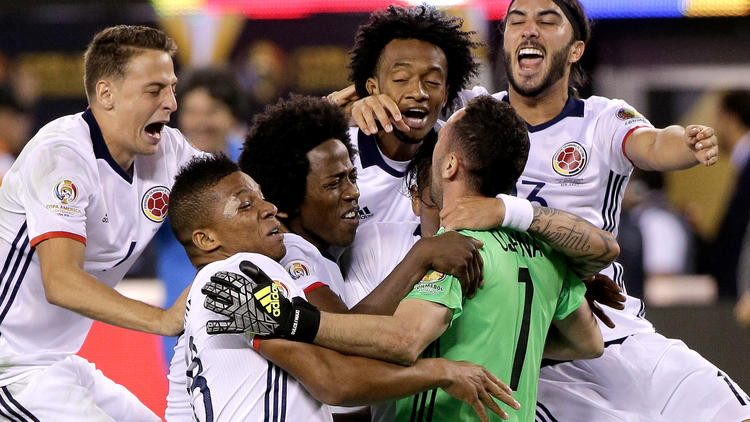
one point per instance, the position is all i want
(255, 305)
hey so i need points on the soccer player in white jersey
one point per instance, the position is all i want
(420, 58)
(79, 205)
(299, 151)
(582, 153)
(234, 377)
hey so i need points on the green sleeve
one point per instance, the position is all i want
(440, 288)
(571, 295)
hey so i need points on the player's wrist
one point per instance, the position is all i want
(518, 213)
(303, 323)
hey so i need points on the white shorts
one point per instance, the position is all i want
(647, 377)
(71, 390)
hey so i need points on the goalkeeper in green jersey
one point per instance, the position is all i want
(527, 289)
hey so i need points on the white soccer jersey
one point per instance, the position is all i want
(377, 249)
(228, 380)
(382, 190)
(309, 267)
(577, 163)
(65, 183)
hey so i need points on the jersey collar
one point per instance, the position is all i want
(574, 107)
(369, 154)
(101, 152)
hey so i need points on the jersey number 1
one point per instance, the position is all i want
(524, 277)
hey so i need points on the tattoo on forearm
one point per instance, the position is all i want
(572, 235)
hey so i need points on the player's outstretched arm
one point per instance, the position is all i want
(450, 253)
(672, 148)
(588, 248)
(342, 380)
(577, 336)
(253, 305)
(66, 284)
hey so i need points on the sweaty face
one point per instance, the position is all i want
(328, 214)
(243, 221)
(536, 46)
(414, 74)
(205, 121)
(143, 100)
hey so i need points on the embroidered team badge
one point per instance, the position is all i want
(155, 202)
(297, 270)
(281, 287)
(66, 191)
(627, 114)
(570, 159)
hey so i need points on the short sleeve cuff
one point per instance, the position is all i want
(51, 235)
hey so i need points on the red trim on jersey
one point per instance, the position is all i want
(256, 343)
(51, 235)
(314, 286)
(625, 139)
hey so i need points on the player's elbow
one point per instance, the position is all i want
(592, 350)
(404, 348)
(54, 290)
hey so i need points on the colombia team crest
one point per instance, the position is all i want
(66, 191)
(155, 202)
(570, 159)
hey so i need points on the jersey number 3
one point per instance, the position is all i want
(533, 195)
(524, 277)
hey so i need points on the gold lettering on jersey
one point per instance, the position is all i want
(64, 211)
(269, 299)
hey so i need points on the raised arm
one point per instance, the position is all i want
(587, 248)
(66, 284)
(342, 380)
(672, 148)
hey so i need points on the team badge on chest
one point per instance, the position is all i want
(570, 159)
(155, 202)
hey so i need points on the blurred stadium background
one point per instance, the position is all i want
(671, 59)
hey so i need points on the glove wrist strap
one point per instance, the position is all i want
(304, 324)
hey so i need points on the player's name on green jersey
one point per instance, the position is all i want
(517, 242)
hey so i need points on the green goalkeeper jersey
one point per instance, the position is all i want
(503, 327)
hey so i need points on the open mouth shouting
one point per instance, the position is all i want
(530, 59)
(415, 117)
(153, 130)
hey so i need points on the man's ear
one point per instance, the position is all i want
(449, 168)
(576, 51)
(415, 200)
(372, 86)
(205, 240)
(104, 94)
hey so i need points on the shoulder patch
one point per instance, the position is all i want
(297, 269)
(432, 276)
(626, 113)
(66, 191)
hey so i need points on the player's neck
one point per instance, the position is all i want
(295, 225)
(454, 189)
(543, 107)
(111, 132)
(394, 148)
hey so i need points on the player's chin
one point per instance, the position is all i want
(276, 250)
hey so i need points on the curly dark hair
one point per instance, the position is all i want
(275, 149)
(191, 198)
(425, 23)
(495, 142)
